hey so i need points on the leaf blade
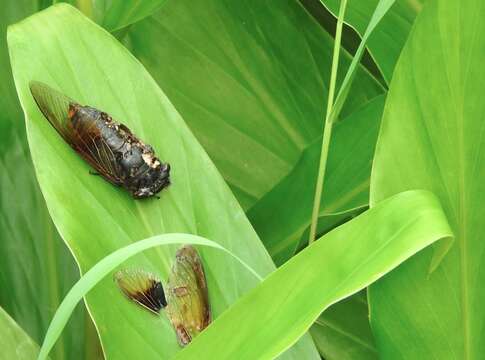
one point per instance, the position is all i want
(261, 103)
(289, 300)
(36, 256)
(16, 344)
(440, 149)
(95, 218)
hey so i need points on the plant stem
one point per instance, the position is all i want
(327, 131)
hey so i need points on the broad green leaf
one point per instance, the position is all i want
(14, 342)
(343, 332)
(432, 138)
(116, 14)
(63, 49)
(389, 37)
(275, 314)
(329, 222)
(283, 214)
(35, 263)
(250, 78)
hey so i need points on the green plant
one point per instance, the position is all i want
(232, 95)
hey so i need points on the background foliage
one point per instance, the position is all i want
(434, 121)
(249, 80)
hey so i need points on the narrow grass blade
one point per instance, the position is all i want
(327, 131)
(382, 7)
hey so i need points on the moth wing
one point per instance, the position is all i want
(142, 287)
(85, 138)
(187, 296)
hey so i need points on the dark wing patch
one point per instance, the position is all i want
(80, 126)
(142, 287)
(187, 296)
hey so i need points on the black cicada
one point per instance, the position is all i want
(185, 299)
(108, 146)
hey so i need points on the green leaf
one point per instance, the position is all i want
(432, 138)
(390, 35)
(343, 331)
(14, 342)
(275, 314)
(280, 223)
(253, 100)
(61, 48)
(329, 222)
(36, 263)
(116, 14)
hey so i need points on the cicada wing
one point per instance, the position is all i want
(187, 296)
(85, 136)
(189, 255)
(142, 287)
(87, 139)
(54, 105)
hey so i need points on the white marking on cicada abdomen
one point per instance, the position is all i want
(150, 160)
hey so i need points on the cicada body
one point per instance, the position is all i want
(185, 297)
(108, 146)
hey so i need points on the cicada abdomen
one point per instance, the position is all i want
(108, 146)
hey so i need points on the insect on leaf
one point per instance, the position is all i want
(108, 146)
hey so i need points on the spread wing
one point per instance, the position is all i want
(187, 296)
(78, 127)
(142, 287)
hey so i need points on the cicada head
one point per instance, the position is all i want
(153, 181)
